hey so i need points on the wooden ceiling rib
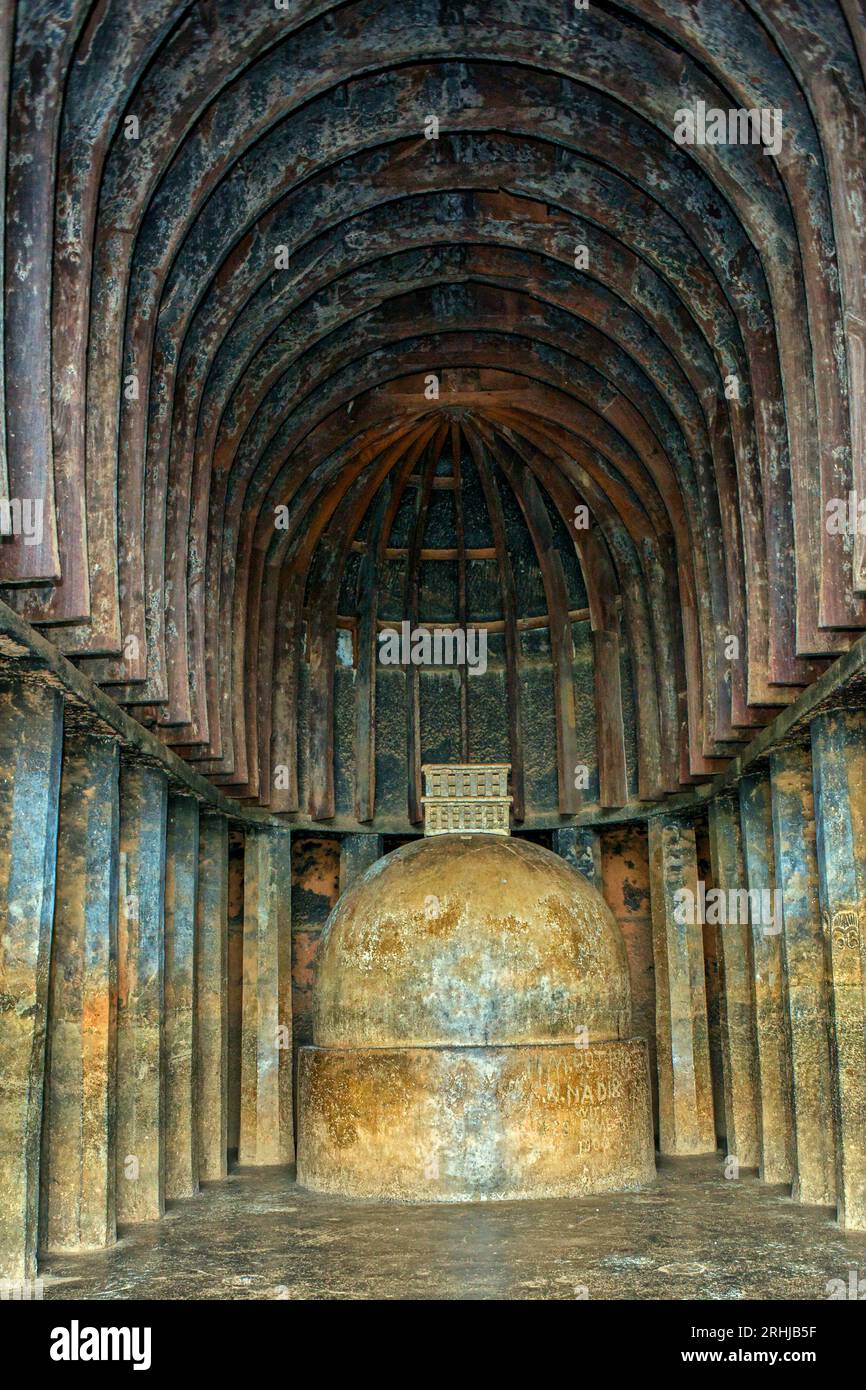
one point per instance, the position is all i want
(232, 260)
(513, 695)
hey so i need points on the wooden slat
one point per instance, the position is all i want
(292, 581)
(324, 587)
(577, 615)
(456, 449)
(510, 625)
(365, 681)
(537, 520)
(412, 592)
(602, 586)
(365, 685)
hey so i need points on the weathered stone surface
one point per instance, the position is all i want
(805, 967)
(778, 1144)
(461, 1124)
(696, 382)
(357, 853)
(626, 890)
(235, 955)
(315, 890)
(141, 996)
(211, 998)
(839, 757)
(266, 1121)
(580, 846)
(711, 934)
(707, 267)
(686, 1120)
(470, 940)
(738, 1036)
(31, 735)
(78, 1133)
(181, 875)
(683, 1236)
(470, 1005)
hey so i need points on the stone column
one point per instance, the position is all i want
(805, 975)
(686, 1120)
(839, 756)
(78, 1159)
(738, 1037)
(211, 997)
(266, 1125)
(580, 846)
(140, 995)
(181, 875)
(31, 737)
(235, 965)
(357, 853)
(778, 1150)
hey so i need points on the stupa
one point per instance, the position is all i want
(471, 1026)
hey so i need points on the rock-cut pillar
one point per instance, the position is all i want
(181, 879)
(31, 737)
(141, 995)
(686, 1118)
(580, 846)
(737, 1014)
(235, 971)
(211, 997)
(266, 1122)
(778, 1150)
(78, 1131)
(805, 968)
(357, 853)
(839, 757)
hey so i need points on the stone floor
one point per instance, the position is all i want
(692, 1234)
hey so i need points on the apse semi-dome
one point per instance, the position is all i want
(470, 1033)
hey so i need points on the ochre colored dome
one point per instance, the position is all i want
(473, 940)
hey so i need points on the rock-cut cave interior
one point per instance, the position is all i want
(432, 649)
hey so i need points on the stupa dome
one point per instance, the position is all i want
(470, 1033)
(475, 940)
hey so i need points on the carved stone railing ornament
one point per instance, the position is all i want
(466, 798)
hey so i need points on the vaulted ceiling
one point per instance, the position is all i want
(254, 292)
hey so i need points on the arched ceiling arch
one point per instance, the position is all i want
(234, 258)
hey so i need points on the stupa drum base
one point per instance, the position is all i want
(451, 1124)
